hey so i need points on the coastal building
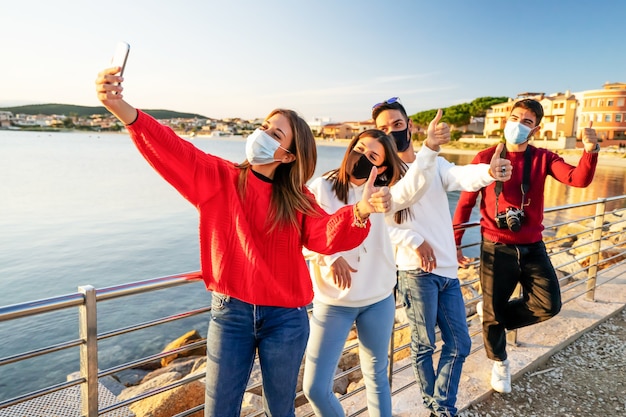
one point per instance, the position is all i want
(567, 114)
(5, 119)
(336, 131)
(559, 116)
(495, 118)
(358, 127)
(606, 108)
(317, 124)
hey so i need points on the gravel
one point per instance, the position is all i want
(587, 378)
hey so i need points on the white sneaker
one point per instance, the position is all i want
(501, 376)
(479, 310)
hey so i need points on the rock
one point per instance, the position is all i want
(574, 231)
(171, 402)
(130, 377)
(111, 383)
(584, 251)
(341, 384)
(181, 366)
(154, 383)
(348, 360)
(402, 337)
(566, 264)
(251, 403)
(355, 385)
(184, 340)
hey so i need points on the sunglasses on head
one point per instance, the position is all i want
(388, 101)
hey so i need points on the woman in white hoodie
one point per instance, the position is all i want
(356, 286)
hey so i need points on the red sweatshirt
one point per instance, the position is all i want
(544, 163)
(239, 255)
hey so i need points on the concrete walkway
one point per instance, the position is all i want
(535, 345)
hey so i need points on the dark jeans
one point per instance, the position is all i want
(502, 267)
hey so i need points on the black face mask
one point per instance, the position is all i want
(402, 139)
(358, 165)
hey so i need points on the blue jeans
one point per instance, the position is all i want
(330, 326)
(431, 300)
(236, 332)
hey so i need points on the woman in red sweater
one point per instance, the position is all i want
(255, 217)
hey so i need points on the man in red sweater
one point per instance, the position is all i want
(512, 248)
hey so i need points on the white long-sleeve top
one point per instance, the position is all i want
(431, 220)
(373, 259)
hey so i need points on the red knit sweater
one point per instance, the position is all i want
(544, 163)
(239, 255)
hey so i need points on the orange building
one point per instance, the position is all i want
(559, 116)
(606, 108)
(495, 118)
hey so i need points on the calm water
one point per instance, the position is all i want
(80, 209)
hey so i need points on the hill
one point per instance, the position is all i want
(86, 111)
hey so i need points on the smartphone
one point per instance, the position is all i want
(120, 56)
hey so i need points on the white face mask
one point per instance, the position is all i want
(260, 148)
(516, 133)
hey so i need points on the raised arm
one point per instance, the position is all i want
(174, 158)
(415, 182)
(473, 177)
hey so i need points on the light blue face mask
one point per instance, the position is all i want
(516, 133)
(260, 148)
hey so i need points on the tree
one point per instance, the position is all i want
(458, 115)
(422, 119)
(479, 106)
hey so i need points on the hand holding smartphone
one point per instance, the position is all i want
(120, 56)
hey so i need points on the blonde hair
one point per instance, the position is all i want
(288, 196)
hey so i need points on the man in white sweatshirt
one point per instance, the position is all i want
(425, 255)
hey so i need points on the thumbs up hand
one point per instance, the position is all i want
(375, 199)
(500, 168)
(438, 133)
(590, 139)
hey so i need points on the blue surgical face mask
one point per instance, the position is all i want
(516, 133)
(260, 148)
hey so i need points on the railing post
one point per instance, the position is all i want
(88, 333)
(596, 247)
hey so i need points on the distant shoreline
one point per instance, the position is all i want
(571, 156)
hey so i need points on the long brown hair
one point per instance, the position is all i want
(396, 169)
(288, 196)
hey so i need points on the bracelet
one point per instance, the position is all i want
(596, 149)
(359, 221)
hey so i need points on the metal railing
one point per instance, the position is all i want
(598, 244)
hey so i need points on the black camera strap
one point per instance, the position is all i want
(525, 179)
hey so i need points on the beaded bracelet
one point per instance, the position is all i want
(358, 219)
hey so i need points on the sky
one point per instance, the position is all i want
(330, 59)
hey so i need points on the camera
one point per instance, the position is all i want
(511, 218)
